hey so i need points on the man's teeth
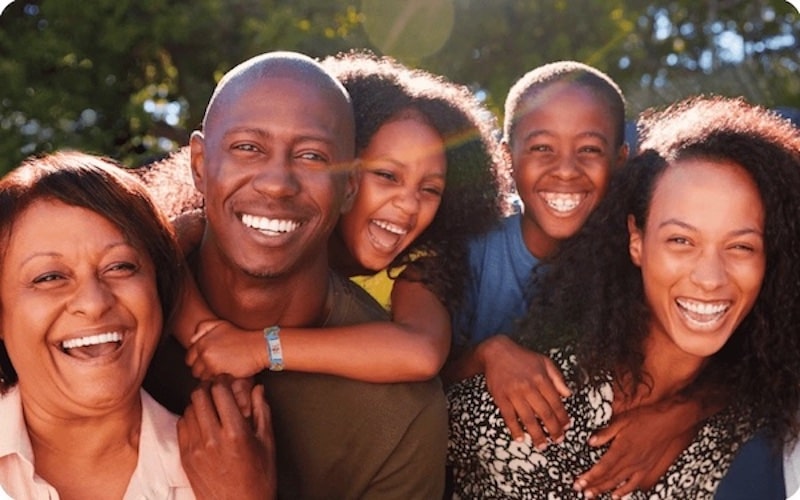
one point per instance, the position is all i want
(271, 225)
(563, 202)
(392, 228)
(102, 338)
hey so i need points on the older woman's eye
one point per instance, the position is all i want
(47, 278)
(122, 268)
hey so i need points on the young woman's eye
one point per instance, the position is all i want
(679, 240)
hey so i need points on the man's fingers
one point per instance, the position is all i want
(226, 406)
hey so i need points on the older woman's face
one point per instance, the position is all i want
(702, 255)
(79, 308)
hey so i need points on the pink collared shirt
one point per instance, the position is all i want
(158, 473)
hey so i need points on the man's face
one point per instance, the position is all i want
(273, 165)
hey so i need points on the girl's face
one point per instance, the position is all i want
(80, 314)
(701, 254)
(402, 181)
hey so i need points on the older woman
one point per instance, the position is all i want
(89, 271)
(685, 281)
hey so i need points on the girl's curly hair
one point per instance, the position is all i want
(476, 180)
(592, 294)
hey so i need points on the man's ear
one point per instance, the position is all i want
(197, 152)
(634, 241)
(622, 155)
(351, 181)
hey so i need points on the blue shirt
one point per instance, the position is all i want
(496, 294)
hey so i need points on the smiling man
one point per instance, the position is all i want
(274, 163)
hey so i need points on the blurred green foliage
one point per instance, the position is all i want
(130, 78)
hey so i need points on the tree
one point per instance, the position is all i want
(130, 78)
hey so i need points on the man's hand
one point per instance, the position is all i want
(527, 389)
(644, 443)
(225, 455)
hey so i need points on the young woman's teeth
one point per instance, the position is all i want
(269, 225)
(703, 311)
(563, 202)
(102, 338)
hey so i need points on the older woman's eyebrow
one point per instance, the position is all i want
(58, 254)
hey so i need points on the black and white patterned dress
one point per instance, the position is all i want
(488, 463)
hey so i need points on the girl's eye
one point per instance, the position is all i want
(435, 191)
(384, 174)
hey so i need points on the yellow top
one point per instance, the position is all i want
(379, 285)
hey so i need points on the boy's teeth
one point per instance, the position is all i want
(102, 338)
(563, 202)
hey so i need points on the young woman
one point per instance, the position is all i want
(682, 283)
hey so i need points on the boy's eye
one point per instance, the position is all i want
(591, 150)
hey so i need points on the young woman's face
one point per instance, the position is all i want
(701, 254)
(402, 181)
(562, 153)
(80, 314)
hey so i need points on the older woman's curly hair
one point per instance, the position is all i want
(592, 294)
(476, 181)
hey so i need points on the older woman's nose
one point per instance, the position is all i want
(92, 298)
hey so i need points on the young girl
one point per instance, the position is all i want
(429, 181)
(696, 294)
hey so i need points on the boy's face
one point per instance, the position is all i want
(562, 154)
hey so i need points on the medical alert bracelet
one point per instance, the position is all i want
(274, 348)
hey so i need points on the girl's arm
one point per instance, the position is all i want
(412, 347)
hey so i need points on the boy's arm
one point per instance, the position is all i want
(644, 443)
(526, 386)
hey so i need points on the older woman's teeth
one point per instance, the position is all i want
(102, 338)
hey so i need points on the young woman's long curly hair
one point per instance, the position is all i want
(476, 182)
(592, 295)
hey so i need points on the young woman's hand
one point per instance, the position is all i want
(644, 442)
